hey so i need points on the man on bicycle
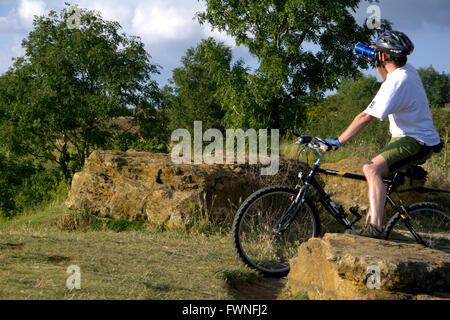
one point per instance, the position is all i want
(403, 99)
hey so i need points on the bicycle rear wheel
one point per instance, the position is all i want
(431, 221)
(254, 238)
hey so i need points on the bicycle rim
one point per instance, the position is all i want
(257, 243)
(431, 222)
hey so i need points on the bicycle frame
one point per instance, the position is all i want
(325, 199)
(342, 216)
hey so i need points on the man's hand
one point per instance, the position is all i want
(334, 143)
(379, 59)
(379, 65)
(373, 47)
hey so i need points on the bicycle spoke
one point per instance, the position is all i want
(260, 243)
(431, 223)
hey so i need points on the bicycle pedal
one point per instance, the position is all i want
(355, 212)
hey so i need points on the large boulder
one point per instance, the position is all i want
(150, 187)
(347, 267)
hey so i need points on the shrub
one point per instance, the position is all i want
(24, 184)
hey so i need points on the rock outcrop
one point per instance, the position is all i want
(346, 267)
(139, 186)
(150, 187)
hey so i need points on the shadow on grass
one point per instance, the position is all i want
(250, 285)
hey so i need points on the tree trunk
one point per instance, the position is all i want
(64, 160)
(275, 113)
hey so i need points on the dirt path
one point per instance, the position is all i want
(266, 289)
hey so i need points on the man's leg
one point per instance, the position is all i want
(374, 171)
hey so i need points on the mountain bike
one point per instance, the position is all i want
(270, 225)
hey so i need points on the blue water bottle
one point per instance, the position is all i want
(366, 51)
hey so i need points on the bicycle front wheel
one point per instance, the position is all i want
(255, 238)
(431, 221)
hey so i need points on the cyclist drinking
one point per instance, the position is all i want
(402, 98)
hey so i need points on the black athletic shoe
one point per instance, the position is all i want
(369, 231)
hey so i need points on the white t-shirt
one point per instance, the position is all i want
(402, 97)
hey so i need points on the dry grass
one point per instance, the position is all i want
(128, 265)
(148, 263)
(437, 168)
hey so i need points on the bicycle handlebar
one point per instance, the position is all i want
(310, 143)
(296, 133)
(307, 140)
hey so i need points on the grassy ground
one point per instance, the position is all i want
(148, 263)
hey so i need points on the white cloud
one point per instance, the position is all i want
(168, 27)
(113, 10)
(164, 20)
(218, 35)
(155, 21)
(29, 8)
(16, 48)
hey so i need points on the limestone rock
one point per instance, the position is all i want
(345, 267)
(150, 187)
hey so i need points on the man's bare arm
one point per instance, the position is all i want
(360, 122)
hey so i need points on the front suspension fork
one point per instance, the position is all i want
(281, 225)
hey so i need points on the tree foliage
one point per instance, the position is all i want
(331, 116)
(194, 91)
(304, 48)
(437, 86)
(24, 184)
(56, 100)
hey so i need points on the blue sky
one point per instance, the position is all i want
(167, 27)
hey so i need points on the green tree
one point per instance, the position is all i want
(334, 114)
(56, 100)
(11, 175)
(277, 33)
(24, 184)
(437, 86)
(194, 91)
(238, 101)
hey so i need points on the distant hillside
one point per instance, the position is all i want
(124, 123)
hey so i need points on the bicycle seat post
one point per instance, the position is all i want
(397, 180)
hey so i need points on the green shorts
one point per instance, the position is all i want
(405, 152)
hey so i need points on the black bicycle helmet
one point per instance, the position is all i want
(395, 43)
